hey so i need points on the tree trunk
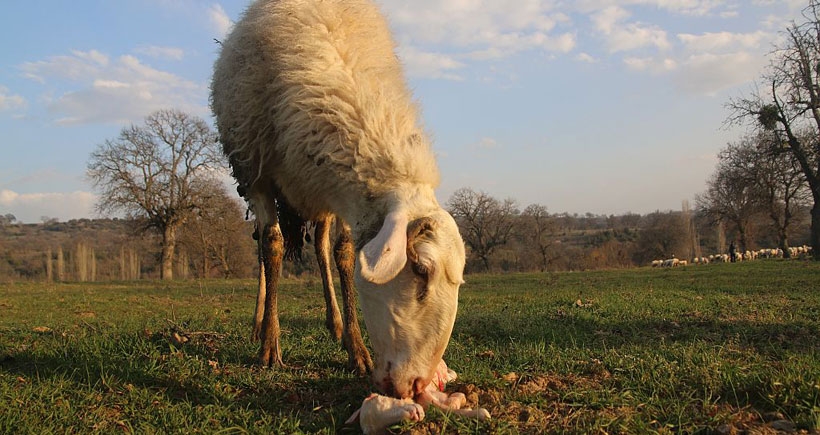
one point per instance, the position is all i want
(782, 235)
(169, 242)
(741, 229)
(49, 267)
(544, 260)
(60, 264)
(815, 228)
(486, 262)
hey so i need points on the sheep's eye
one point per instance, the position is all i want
(420, 270)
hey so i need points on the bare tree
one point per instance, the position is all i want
(485, 222)
(159, 171)
(662, 236)
(731, 193)
(7, 219)
(218, 233)
(782, 187)
(539, 231)
(790, 104)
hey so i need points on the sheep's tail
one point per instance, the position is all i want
(294, 229)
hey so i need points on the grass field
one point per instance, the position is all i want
(722, 348)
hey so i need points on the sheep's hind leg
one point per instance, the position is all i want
(259, 312)
(321, 244)
(273, 249)
(358, 358)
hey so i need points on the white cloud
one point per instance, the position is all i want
(475, 30)
(10, 101)
(688, 7)
(651, 64)
(220, 20)
(683, 7)
(723, 41)
(170, 53)
(429, 65)
(710, 73)
(76, 66)
(710, 62)
(627, 36)
(112, 91)
(30, 207)
(703, 73)
(585, 57)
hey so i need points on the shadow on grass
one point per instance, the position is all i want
(591, 331)
(181, 374)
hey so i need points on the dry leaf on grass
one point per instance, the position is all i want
(510, 377)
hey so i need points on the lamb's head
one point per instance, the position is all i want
(408, 278)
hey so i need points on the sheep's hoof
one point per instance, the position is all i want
(334, 326)
(270, 355)
(270, 361)
(362, 365)
(358, 358)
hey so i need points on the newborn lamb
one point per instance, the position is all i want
(378, 412)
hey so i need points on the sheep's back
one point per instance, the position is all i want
(310, 96)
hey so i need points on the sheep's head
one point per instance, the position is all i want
(408, 278)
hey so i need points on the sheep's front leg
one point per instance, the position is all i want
(321, 244)
(358, 358)
(273, 249)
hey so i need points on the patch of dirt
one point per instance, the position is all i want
(749, 422)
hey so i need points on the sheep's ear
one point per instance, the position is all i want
(384, 257)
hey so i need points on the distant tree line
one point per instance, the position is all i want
(499, 235)
(87, 250)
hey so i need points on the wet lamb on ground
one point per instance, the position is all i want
(378, 412)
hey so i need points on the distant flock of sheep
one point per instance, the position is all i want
(795, 252)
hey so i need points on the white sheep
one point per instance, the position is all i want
(315, 116)
(671, 262)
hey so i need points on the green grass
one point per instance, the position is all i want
(634, 351)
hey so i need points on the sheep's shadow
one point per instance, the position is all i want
(299, 389)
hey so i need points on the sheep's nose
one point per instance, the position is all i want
(386, 387)
(418, 386)
(389, 388)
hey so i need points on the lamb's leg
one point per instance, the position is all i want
(273, 249)
(358, 358)
(378, 412)
(321, 243)
(480, 414)
(259, 313)
(452, 403)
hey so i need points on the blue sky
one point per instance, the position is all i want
(603, 106)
